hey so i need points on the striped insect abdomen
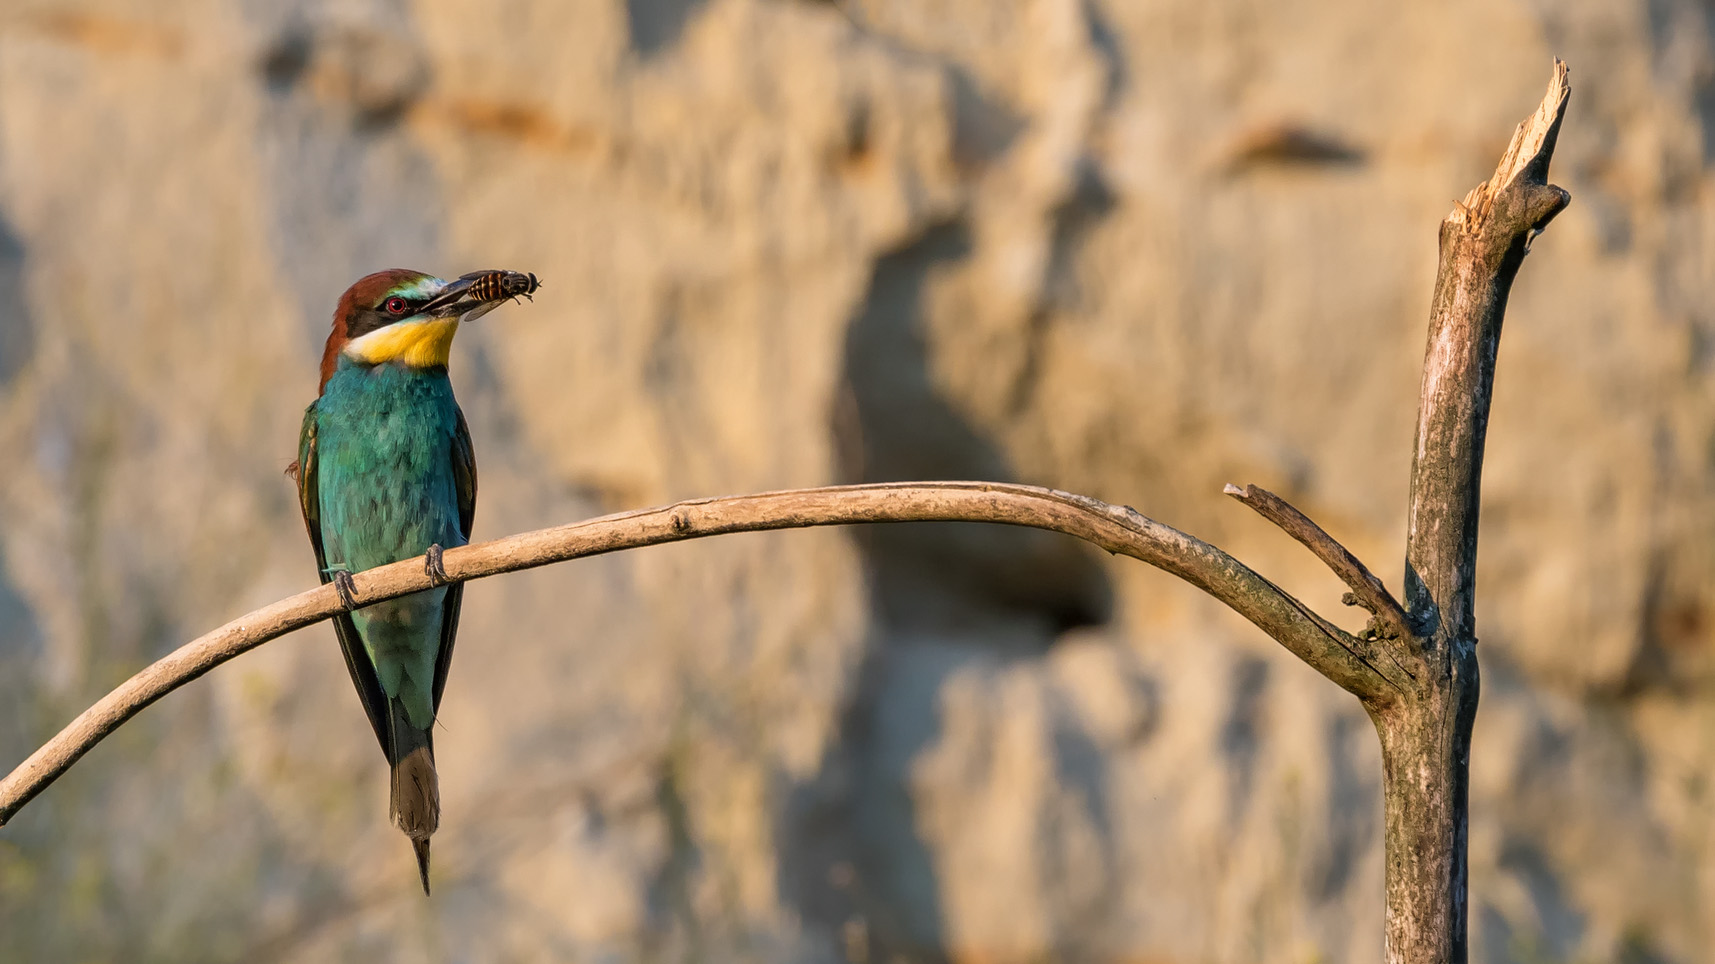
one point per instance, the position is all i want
(494, 285)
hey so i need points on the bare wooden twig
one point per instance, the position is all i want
(1367, 591)
(1118, 529)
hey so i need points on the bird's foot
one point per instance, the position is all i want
(347, 589)
(432, 565)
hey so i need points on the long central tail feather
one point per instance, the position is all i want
(416, 799)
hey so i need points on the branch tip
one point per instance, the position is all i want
(1526, 159)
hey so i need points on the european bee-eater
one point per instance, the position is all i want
(386, 472)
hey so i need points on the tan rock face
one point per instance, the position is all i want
(1131, 249)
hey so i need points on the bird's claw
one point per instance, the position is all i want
(432, 565)
(347, 589)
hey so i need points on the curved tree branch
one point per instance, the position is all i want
(1121, 530)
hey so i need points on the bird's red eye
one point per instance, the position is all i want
(395, 306)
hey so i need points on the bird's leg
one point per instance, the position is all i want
(347, 589)
(432, 565)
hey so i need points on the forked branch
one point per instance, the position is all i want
(1367, 590)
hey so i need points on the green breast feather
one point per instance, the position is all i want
(391, 477)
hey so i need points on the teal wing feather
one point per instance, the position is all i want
(464, 482)
(357, 660)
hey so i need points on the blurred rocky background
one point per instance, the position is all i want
(1132, 248)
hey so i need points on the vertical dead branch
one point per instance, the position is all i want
(1426, 737)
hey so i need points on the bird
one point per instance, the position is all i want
(385, 472)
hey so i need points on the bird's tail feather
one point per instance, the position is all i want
(416, 800)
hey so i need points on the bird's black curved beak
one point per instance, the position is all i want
(476, 294)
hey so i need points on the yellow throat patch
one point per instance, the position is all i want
(414, 344)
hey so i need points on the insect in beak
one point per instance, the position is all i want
(476, 294)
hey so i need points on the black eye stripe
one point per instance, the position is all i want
(364, 322)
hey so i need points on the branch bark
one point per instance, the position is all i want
(1426, 737)
(1118, 529)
